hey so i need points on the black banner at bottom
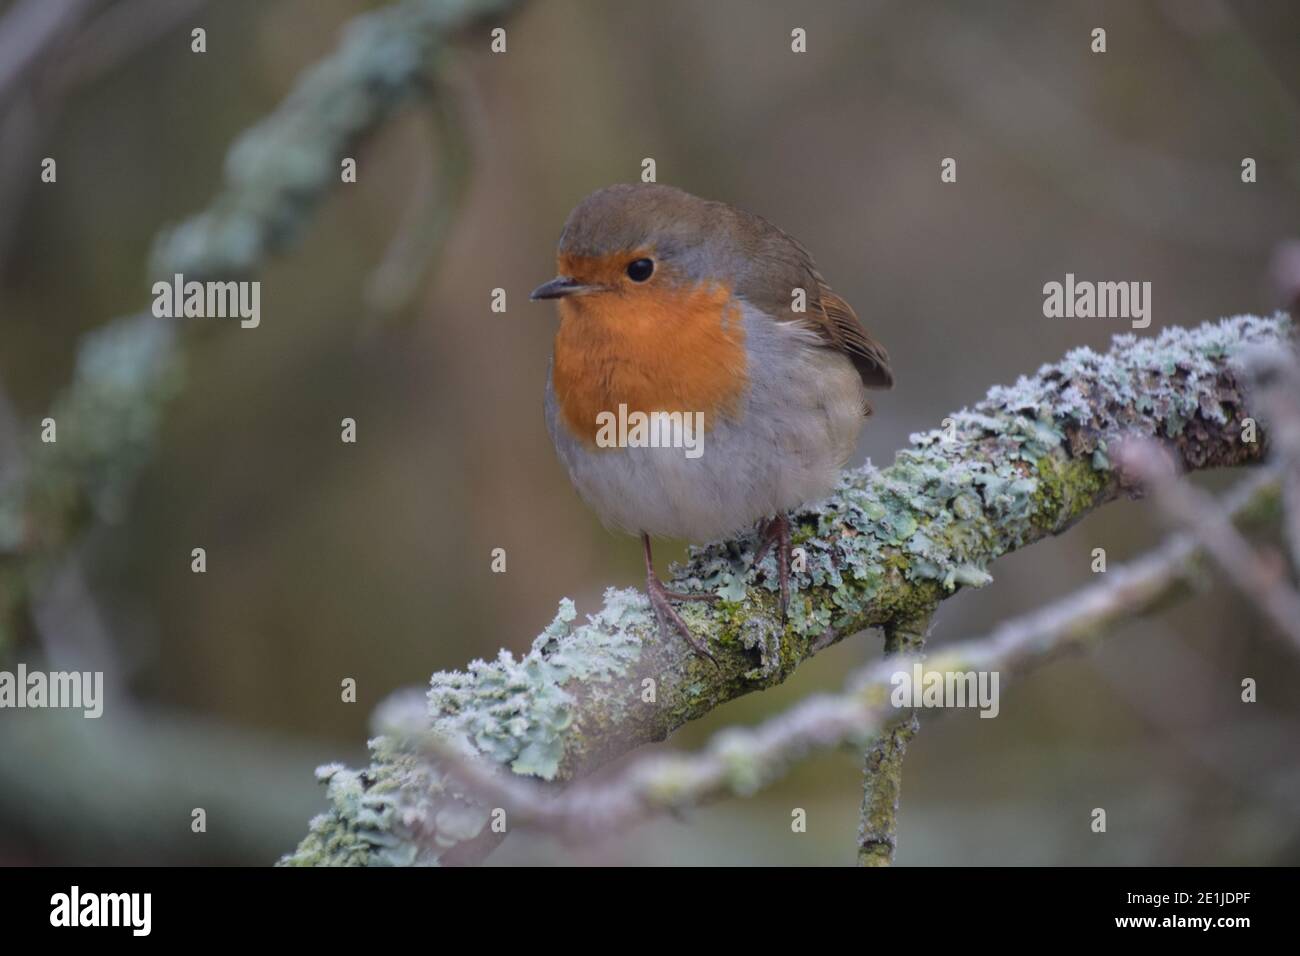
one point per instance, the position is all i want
(214, 905)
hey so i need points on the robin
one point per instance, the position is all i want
(678, 312)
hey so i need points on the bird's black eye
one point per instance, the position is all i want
(638, 270)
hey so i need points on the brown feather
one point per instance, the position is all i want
(843, 330)
(777, 263)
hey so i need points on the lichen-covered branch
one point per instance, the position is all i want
(739, 761)
(276, 175)
(1026, 462)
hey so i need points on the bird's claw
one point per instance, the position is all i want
(661, 601)
(776, 530)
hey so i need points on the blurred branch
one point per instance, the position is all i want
(1026, 462)
(64, 614)
(739, 762)
(1276, 379)
(1261, 581)
(277, 174)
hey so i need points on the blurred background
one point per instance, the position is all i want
(372, 560)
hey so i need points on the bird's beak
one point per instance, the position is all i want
(561, 286)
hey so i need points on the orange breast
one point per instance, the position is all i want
(656, 349)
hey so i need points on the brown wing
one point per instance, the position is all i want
(776, 263)
(840, 327)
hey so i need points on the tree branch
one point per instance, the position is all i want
(883, 775)
(739, 761)
(1026, 462)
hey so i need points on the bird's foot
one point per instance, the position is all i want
(669, 620)
(776, 531)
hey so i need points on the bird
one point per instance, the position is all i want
(677, 311)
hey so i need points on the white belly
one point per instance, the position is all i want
(798, 428)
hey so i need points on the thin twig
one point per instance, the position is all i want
(1276, 378)
(883, 773)
(1259, 580)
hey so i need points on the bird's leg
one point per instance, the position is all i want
(776, 530)
(661, 601)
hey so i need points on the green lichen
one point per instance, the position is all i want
(519, 713)
(1066, 489)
